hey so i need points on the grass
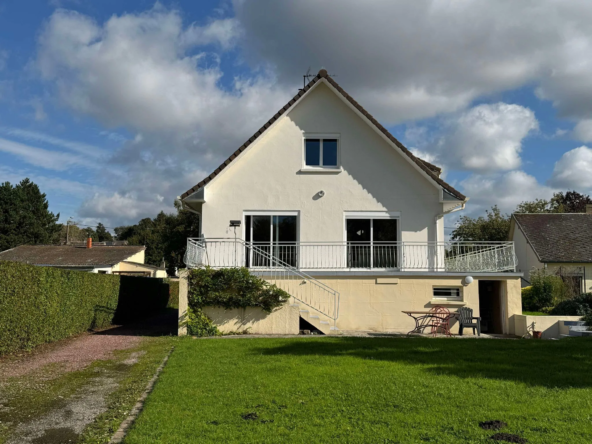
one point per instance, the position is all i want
(534, 313)
(369, 390)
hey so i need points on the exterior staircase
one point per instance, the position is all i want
(576, 328)
(318, 303)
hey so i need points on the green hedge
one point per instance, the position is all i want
(227, 288)
(44, 304)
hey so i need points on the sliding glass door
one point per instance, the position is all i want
(372, 243)
(274, 240)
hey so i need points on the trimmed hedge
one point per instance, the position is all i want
(45, 304)
(227, 288)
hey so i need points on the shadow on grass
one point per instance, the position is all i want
(162, 324)
(561, 364)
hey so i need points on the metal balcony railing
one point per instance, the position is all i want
(451, 256)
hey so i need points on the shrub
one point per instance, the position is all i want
(173, 293)
(43, 304)
(578, 306)
(227, 288)
(546, 291)
(588, 320)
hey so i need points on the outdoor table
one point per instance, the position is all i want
(423, 319)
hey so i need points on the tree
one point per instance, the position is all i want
(25, 217)
(165, 236)
(570, 202)
(536, 206)
(102, 233)
(494, 227)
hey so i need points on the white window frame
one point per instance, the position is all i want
(321, 167)
(447, 298)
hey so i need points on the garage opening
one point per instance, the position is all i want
(490, 307)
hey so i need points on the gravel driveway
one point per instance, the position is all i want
(76, 393)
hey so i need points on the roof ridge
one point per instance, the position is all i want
(427, 167)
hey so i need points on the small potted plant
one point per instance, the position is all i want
(537, 334)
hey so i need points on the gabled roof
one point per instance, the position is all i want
(67, 255)
(563, 237)
(431, 170)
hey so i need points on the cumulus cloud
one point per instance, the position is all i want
(485, 138)
(574, 170)
(505, 190)
(410, 60)
(148, 73)
(583, 130)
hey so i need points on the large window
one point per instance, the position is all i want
(321, 152)
(273, 238)
(372, 242)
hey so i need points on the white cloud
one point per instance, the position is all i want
(505, 190)
(52, 160)
(35, 136)
(583, 130)
(485, 138)
(574, 170)
(223, 32)
(147, 73)
(409, 60)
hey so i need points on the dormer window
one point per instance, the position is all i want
(321, 152)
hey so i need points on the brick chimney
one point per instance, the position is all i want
(588, 208)
(89, 242)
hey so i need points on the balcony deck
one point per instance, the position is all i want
(444, 257)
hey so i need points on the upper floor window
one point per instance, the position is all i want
(321, 152)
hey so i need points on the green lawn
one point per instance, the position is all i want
(534, 313)
(369, 390)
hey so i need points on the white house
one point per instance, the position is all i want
(560, 242)
(327, 204)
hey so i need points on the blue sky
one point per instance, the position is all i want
(115, 108)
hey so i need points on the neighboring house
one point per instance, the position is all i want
(559, 242)
(96, 259)
(327, 204)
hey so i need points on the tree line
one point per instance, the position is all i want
(25, 219)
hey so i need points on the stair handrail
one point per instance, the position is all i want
(285, 267)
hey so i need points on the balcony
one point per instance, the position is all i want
(467, 257)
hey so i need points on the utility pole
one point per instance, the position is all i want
(68, 230)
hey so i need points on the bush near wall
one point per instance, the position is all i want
(44, 304)
(173, 293)
(227, 288)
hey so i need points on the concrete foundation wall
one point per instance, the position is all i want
(282, 321)
(551, 326)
